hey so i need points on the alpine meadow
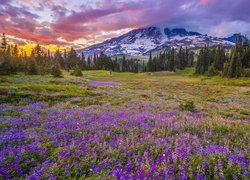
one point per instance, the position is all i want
(125, 90)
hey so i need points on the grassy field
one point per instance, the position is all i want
(124, 126)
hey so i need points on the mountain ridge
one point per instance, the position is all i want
(139, 42)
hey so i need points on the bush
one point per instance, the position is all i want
(246, 72)
(212, 71)
(7, 68)
(56, 71)
(32, 68)
(187, 106)
(77, 72)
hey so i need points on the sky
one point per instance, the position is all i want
(81, 23)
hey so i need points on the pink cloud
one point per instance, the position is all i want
(204, 2)
(98, 22)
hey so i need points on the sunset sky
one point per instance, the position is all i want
(80, 23)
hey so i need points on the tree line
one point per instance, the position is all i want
(231, 63)
(234, 62)
(42, 61)
(171, 61)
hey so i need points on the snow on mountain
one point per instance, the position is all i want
(139, 42)
(233, 38)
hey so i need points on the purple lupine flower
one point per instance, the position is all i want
(200, 176)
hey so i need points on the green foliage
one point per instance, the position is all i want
(187, 106)
(170, 61)
(234, 69)
(4, 42)
(32, 67)
(211, 60)
(77, 72)
(212, 71)
(56, 71)
(6, 68)
(225, 72)
(203, 60)
(246, 72)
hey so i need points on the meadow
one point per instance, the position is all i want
(124, 126)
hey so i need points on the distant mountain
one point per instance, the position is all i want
(233, 38)
(139, 42)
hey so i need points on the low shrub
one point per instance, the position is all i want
(187, 106)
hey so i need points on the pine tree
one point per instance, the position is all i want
(56, 71)
(205, 60)
(172, 60)
(246, 54)
(38, 53)
(72, 59)
(150, 63)
(124, 63)
(234, 69)
(225, 72)
(219, 58)
(77, 72)
(212, 71)
(89, 63)
(191, 59)
(83, 63)
(15, 51)
(95, 63)
(117, 67)
(6, 66)
(239, 45)
(59, 59)
(32, 67)
(4, 42)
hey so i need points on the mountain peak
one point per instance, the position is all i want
(139, 42)
(234, 37)
(180, 32)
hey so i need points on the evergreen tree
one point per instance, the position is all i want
(83, 63)
(246, 54)
(234, 69)
(172, 60)
(219, 58)
(225, 72)
(181, 59)
(191, 59)
(212, 71)
(38, 54)
(117, 66)
(124, 63)
(199, 62)
(150, 63)
(203, 61)
(59, 59)
(32, 67)
(89, 63)
(15, 51)
(72, 59)
(56, 71)
(77, 72)
(4, 42)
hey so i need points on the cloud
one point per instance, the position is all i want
(228, 28)
(205, 2)
(46, 21)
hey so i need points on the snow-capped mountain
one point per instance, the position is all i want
(233, 38)
(139, 42)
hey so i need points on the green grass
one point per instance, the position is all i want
(223, 102)
(182, 84)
